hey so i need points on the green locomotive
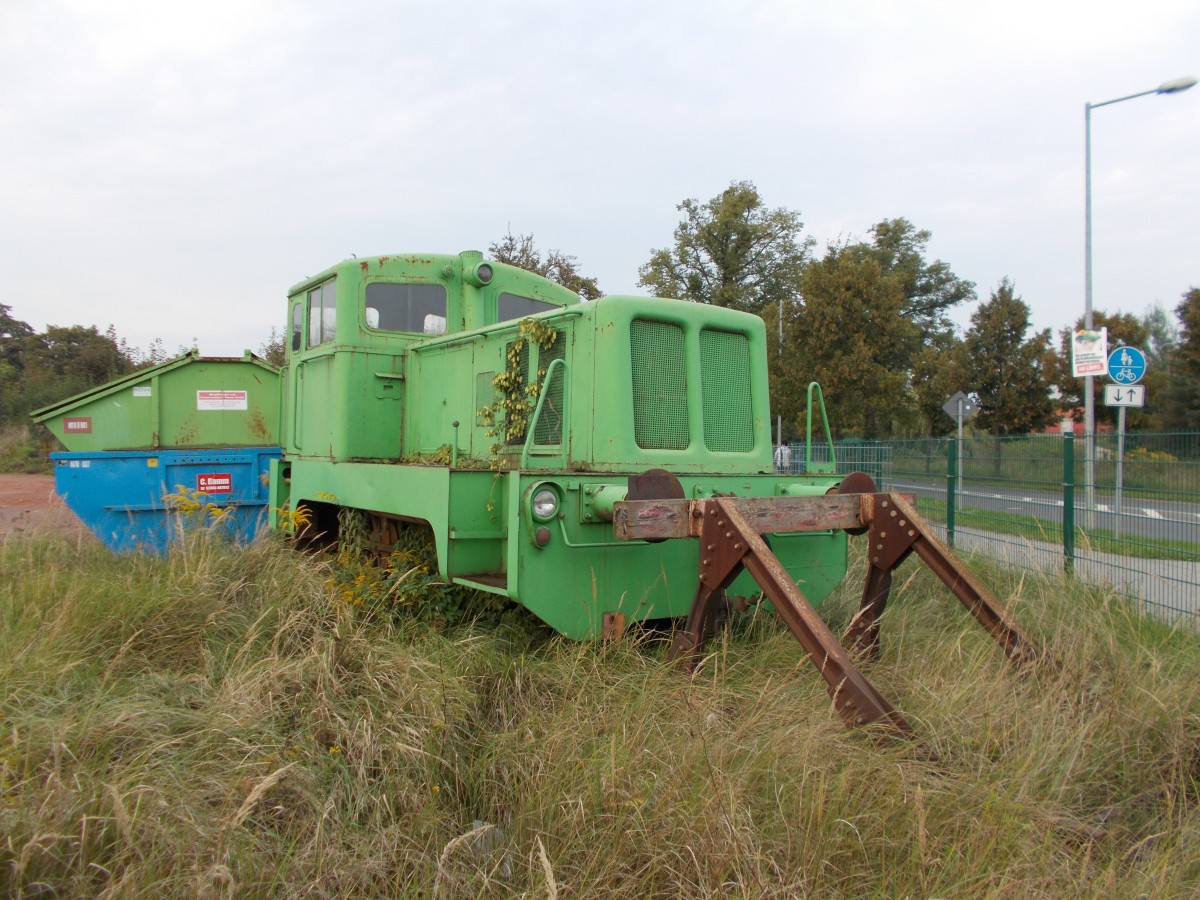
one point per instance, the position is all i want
(494, 407)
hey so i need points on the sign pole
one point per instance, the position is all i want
(1126, 366)
(961, 416)
(1120, 469)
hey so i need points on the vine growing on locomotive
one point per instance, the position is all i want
(495, 408)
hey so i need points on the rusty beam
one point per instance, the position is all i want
(659, 519)
(962, 582)
(728, 543)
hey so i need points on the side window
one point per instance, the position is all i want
(510, 306)
(321, 314)
(297, 326)
(419, 308)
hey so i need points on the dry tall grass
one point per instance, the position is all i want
(217, 724)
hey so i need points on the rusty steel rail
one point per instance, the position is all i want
(730, 532)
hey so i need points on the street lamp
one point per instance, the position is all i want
(1174, 86)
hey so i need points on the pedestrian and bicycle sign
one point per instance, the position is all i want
(1122, 395)
(1126, 365)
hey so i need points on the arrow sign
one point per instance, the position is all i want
(1126, 365)
(1122, 395)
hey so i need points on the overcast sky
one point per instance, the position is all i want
(172, 169)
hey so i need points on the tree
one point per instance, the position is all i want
(1181, 403)
(731, 251)
(272, 349)
(938, 372)
(1162, 337)
(62, 361)
(519, 250)
(931, 289)
(848, 334)
(1004, 369)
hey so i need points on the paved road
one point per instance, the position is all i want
(1174, 520)
(1164, 587)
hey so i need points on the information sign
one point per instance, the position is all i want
(1089, 352)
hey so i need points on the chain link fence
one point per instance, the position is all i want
(1028, 501)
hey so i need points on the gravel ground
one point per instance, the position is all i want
(28, 505)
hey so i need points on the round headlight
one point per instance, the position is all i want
(480, 274)
(545, 504)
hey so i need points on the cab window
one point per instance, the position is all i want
(419, 308)
(510, 306)
(297, 326)
(321, 314)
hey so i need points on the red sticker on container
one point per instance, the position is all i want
(77, 424)
(215, 483)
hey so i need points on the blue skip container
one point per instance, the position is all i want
(140, 499)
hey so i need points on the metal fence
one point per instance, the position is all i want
(1027, 500)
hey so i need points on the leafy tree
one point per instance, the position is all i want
(931, 289)
(938, 372)
(1181, 402)
(731, 251)
(1006, 370)
(848, 334)
(13, 335)
(519, 250)
(62, 361)
(272, 350)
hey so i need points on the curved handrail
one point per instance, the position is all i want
(831, 466)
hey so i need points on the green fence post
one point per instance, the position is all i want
(1068, 519)
(951, 475)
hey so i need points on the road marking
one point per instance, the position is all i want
(1100, 507)
(1152, 514)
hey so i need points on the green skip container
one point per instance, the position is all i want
(191, 401)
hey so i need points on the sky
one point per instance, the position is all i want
(172, 169)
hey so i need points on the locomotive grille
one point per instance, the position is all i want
(549, 426)
(725, 380)
(659, 363)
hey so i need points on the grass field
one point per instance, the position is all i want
(224, 723)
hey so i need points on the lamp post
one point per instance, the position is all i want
(1174, 86)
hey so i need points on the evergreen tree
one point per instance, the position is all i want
(938, 372)
(1004, 369)
(1181, 406)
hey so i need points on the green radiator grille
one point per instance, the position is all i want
(660, 411)
(550, 426)
(725, 380)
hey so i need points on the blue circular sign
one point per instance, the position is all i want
(1126, 365)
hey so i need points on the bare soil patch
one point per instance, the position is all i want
(29, 506)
